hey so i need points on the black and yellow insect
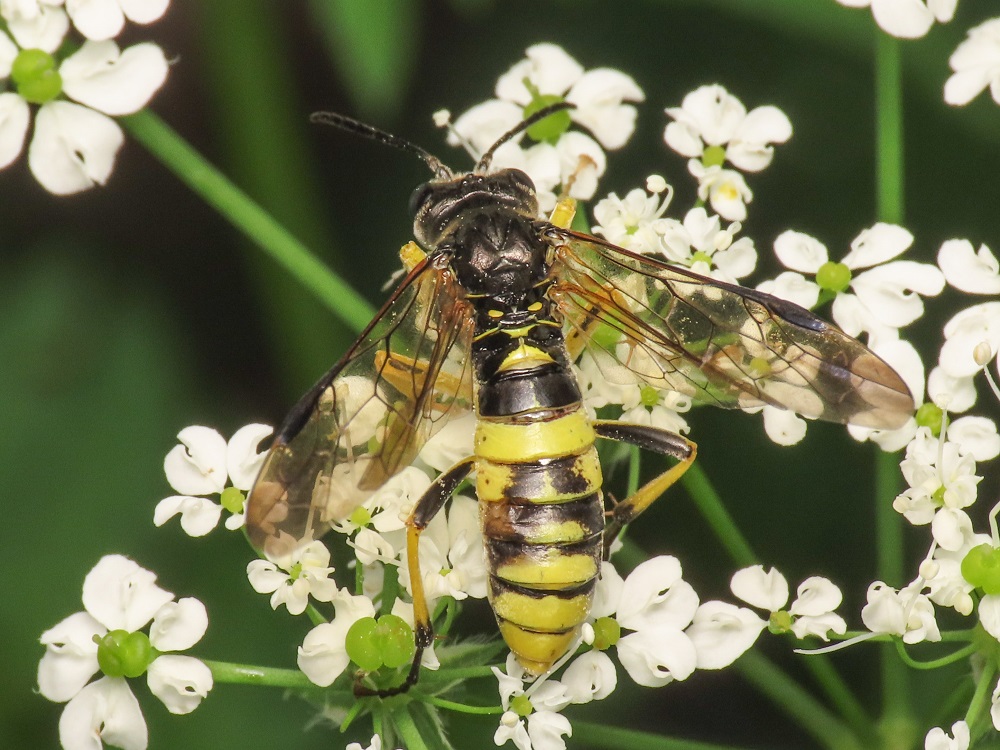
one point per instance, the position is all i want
(496, 306)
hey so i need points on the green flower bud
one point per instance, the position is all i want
(550, 128)
(521, 705)
(713, 156)
(779, 622)
(835, 277)
(36, 76)
(232, 500)
(124, 654)
(930, 415)
(981, 568)
(607, 633)
(395, 641)
(362, 645)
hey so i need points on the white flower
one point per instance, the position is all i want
(570, 158)
(976, 62)
(995, 707)
(704, 245)
(906, 19)
(590, 677)
(74, 145)
(544, 727)
(907, 613)
(722, 633)
(306, 573)
(710, 117)
(938, 475)
(120, 598)
(323, 655)
(905, 360)
(657, 605)
(937, 739)
(598, 94)
(199, 466)
(885, 297)
(452, 555)
(376, 744)
(629, 222)
(103, 19)
(811, 612)
(725, 189)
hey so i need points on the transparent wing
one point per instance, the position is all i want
(369, 416)
(649, 322)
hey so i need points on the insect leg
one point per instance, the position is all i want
(654, 439)
(423, 513)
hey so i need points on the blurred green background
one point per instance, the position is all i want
(129, 312)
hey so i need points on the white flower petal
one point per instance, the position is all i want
(598, 96)
(199, 515)
(119, 593)
(767, 590)
(783, 427)
(656, 658)
(964, 332)
(966, 269)
(977, 436)
(877, 244)
(989, 614)
(608, 593)
(14, 118)
(800, 251)
(549, 68)
(243, 462)
(654, 596)
(906, 19)
(178, 625)
(793, 287)
(104, 711)
(722, 633)
(590, 677)
(114, 82)
(96, 19)
(73, 147)
(70, 658)
(816, 596)
(198, 465)
(45, 31)
(144, 11)
(546, 728)
(8, 53)
(181, 682)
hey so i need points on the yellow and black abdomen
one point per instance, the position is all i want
(539, 487)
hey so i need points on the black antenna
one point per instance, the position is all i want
(485, 159)
(368, 131)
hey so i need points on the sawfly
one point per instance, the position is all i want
(496, 305)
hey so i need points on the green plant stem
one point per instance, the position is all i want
(841, 697)
(707, 500)
(607, 736)
(251, 674)
(453, 706)
(428, 677)
(962, 653)
(798, 704)
(890, 208)
(980, 698)
(408, 730)
(247, 216)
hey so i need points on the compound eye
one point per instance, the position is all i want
(419, 197)
(521, 180)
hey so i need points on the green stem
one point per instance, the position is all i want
(251, 674)
(453, 706)
(314, 615)
(790, 697)
(890, 208)
(615, 738)
(456, 674)
(412, 739)
(962, 653)
(247, 216)
(983, 689)
(699, 486)
(840, 696)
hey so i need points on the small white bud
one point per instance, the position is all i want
(442, 118)
(982, 354)
(587, 633)
(656, 184)
(929, 569)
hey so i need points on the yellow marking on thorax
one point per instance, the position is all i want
(411, 254)
(509, 443)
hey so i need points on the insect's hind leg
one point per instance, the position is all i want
(423, 513)
(655, 439)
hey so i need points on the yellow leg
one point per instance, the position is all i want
(659, 441)
(423, 512)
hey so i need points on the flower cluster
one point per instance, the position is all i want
(120, 599)
(558, 157)
(75, 141)
(907, 19)
(670, 634)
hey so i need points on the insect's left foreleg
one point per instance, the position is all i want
(660, 441)
(423, 513)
